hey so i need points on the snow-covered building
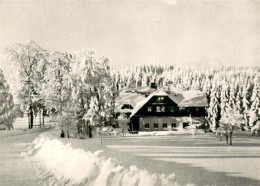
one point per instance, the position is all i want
(158, 110)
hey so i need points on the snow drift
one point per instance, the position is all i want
(60, 164)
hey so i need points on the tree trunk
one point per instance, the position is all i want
(84, 129)
(231, 138)
(226, 138)
(42, 117)
(30, 117)
(90, 133)
(78, 127)
(40, 122)
(29, 121)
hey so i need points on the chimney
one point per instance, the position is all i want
(153, 85)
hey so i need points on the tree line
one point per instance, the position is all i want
(228, 89)
(75, 89)
(79, 89)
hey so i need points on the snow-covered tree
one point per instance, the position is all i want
(7, 107)
(30, 59)
(230, 122)
(224, 97)
(123, 123)
(214, 106)
(239, 101)
(255, 99)
(232, 96)
(92, 90)
(57, 87)
(195, 84)
(245, 103)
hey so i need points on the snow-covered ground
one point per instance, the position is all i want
(61, 164)
(162, 133)
(118, 132)
(14, 170)
(22, 122)
(16, 132)
(235, 161)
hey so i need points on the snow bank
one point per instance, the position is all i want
(60, 164)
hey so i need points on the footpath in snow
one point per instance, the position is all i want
(60, 164)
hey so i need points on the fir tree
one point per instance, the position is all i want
(214, 106)
(255, 99)
(245, 102)
(224, 97)
(7, 107)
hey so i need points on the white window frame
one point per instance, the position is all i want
(160, 108)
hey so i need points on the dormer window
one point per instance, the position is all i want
(160, 98)
(149, 109)
(127, 106)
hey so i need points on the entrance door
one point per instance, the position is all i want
(135, 124)
(184, 125)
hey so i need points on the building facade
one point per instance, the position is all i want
(165, 110)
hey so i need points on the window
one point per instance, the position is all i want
(197, 109)
(173, 125)
(149, 109)
(164, 125)
(127, 106)
(172, 108)
(146, 125)
(160, 98)
(160, 108)
(155, 125)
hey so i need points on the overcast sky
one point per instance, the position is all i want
(134, 32)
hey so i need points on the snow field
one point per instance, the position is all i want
(60, 164)
(163, 133)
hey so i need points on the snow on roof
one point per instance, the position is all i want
(189, 99)
(141, 104)
(126, 97)
(145, 90)
(182, 99)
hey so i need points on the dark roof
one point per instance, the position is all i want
(182, 99)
